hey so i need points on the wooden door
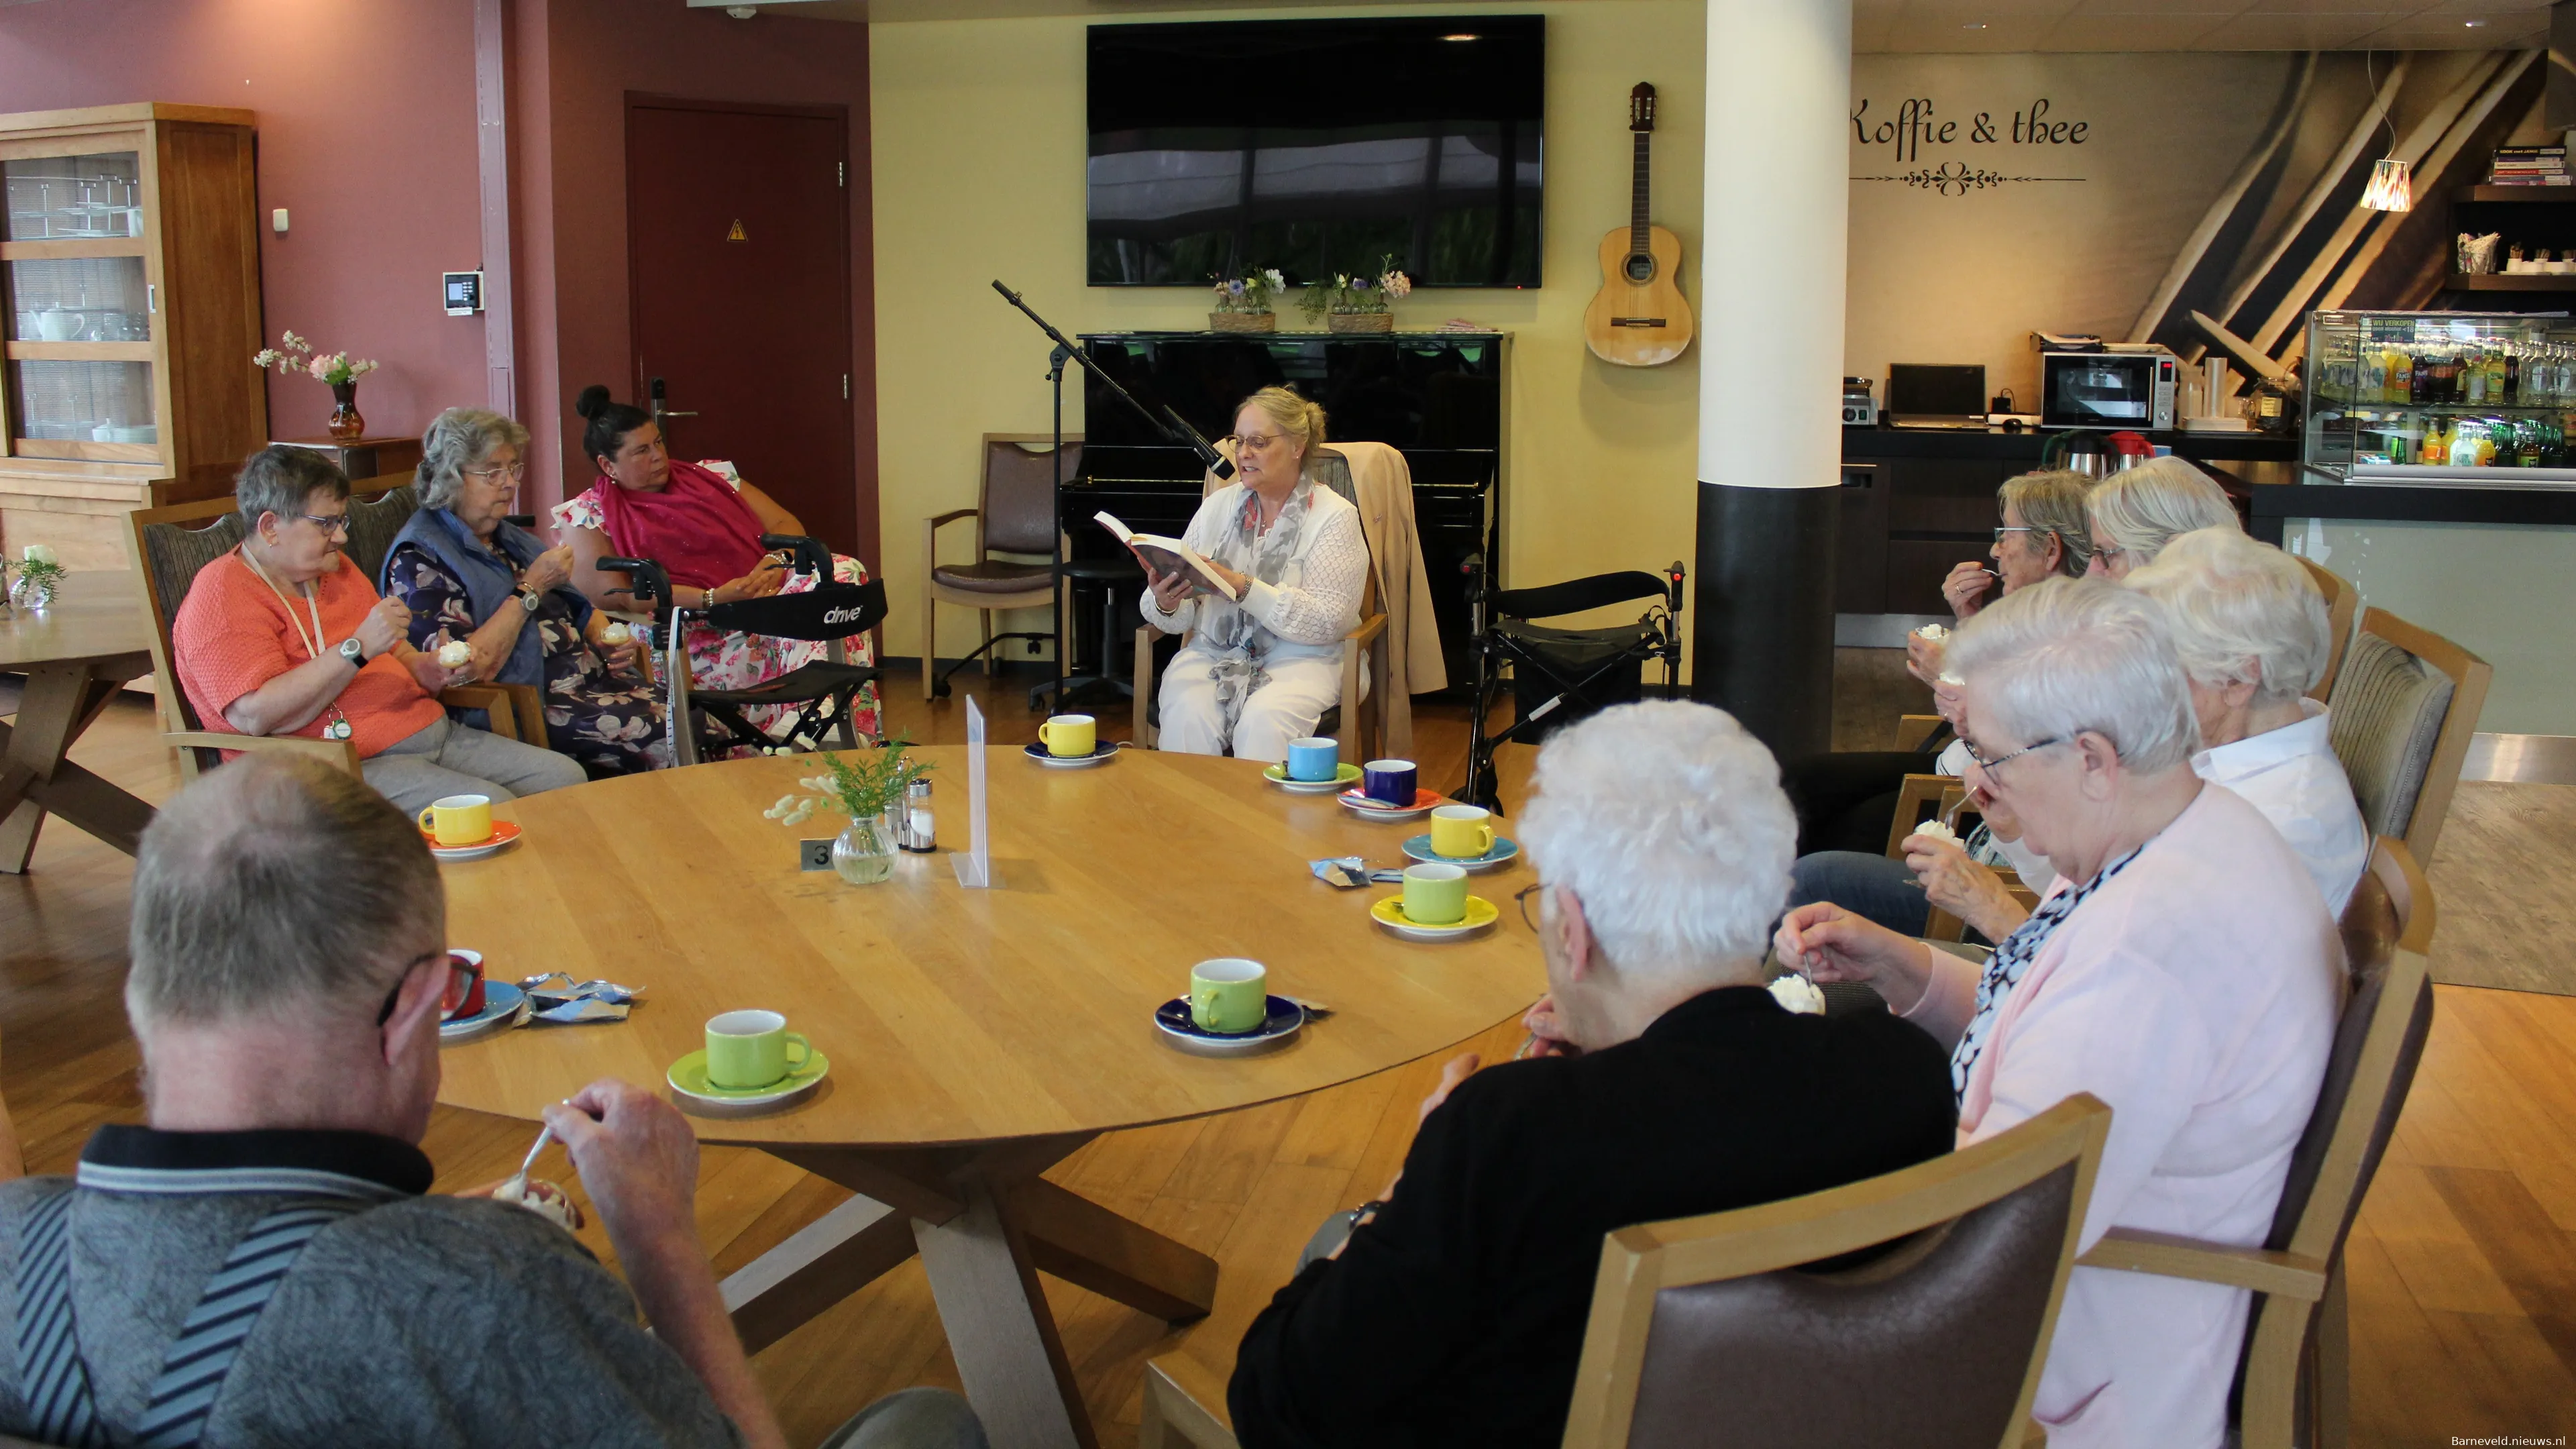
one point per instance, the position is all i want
(738, 237)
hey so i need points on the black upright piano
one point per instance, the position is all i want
(1437, 397)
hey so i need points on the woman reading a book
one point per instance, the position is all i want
(702, 523)
(1260, 669)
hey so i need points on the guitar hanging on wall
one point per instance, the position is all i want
(1638, 318)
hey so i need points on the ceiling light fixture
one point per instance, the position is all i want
(1974, 25)
(1462, 37)
(2392, 182)
(2474, 24)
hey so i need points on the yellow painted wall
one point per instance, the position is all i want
(978, 152)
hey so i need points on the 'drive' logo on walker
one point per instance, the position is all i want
(841, 616)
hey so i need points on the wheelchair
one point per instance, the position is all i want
(1557, 675)
(709, 722)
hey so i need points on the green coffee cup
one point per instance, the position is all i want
(752, 1049)
(1435, 895)
(1229, 994)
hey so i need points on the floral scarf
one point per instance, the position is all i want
(1228, 629)
(2004, 969)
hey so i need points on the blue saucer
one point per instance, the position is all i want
(1504, 851)
(1173, 1017)
(501, 1002)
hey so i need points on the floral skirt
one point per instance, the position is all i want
(722, 660)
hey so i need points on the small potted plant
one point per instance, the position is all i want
(1357, 304)
(868, 788)
(339, 370)
(39, 574)
(1243, 304)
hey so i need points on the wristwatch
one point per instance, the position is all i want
(353, 651)
(528, 599)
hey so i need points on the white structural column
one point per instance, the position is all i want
(1771, 358)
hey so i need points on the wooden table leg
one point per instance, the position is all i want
(986, 1224)
(60, 701)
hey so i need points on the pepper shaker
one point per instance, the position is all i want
(920, 833)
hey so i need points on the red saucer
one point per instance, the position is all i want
(503, 832)
(1360, 799)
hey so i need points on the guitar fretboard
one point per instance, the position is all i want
(1637, 199)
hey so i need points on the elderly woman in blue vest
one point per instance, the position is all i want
(469, 576)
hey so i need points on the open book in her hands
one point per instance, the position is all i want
(1169, 556)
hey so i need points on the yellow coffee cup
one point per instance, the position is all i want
(1069, 736)
(459, 819)
(1462, 832)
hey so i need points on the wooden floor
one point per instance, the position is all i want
(2463, 1268)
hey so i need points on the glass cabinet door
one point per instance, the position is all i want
(85, 197)
(78, 308)
(79, 299)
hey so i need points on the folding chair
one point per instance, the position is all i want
(708, 722)
(1569, 673)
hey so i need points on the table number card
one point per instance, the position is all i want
(975, 867)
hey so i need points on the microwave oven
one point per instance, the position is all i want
(2126, 387)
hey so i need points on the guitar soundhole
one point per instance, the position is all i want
(1641, 268)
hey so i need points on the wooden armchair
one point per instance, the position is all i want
(168, 547)
(2342, 599)
(1937, 1343)
(2297, 1386)
(1014, 513)
(1943, 797)
(2405, 707)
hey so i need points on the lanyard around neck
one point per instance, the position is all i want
(312, 600)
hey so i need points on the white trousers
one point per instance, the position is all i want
(1286, 708)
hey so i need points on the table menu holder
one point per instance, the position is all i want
(975, 867)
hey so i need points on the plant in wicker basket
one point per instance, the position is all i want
(1243, 304)
(1357, 304)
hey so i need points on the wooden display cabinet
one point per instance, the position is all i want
(129, 299)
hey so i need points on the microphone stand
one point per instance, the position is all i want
(1169, 423)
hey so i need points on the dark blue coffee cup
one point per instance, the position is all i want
(1390, 781)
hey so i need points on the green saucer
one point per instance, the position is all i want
(688, 1077)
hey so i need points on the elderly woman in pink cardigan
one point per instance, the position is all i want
(2183, 969)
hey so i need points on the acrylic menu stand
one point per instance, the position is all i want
(975, 867)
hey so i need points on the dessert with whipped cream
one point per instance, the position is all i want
(1932, 633)
(615, 633)
(454, 654)
(1798, 994)
(1936, 830)
(543, 1198)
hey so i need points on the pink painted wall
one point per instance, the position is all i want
(366, 136)
(575, 61)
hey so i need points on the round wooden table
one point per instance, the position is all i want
(76, 652)
(976, 1036)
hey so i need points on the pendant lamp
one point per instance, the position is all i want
(2392, 187)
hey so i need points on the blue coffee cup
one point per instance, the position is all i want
(1317, 757)
(1390, 781)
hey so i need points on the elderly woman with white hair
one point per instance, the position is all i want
(469, 575)
(2134, 513)
(2251, 631)
(2182, 968)
(1454, 1311)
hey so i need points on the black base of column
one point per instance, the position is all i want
(1762, 605)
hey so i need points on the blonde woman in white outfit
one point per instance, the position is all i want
(1258, 674)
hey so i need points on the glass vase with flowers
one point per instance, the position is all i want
(338, 371)
(868, 786)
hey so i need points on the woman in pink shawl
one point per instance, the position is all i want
(703, 524)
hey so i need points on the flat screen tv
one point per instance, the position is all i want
(1316, 147)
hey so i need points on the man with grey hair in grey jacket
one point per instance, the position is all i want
(262, 1265)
